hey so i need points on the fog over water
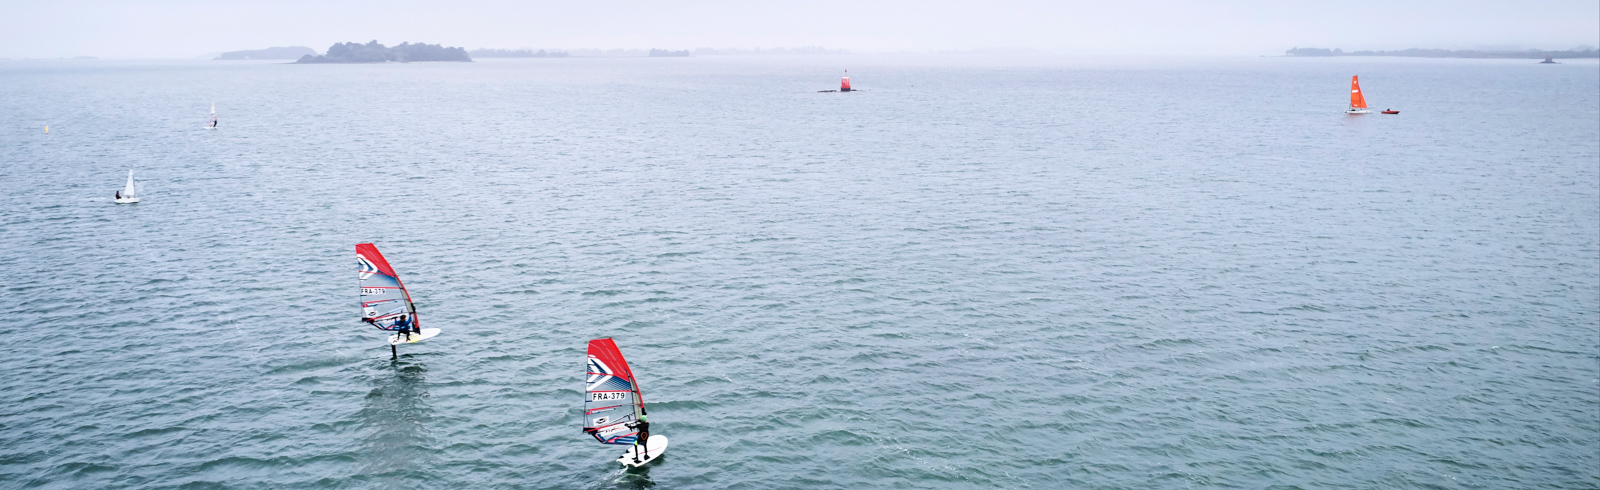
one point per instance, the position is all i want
(185, 29)
(1043, 245)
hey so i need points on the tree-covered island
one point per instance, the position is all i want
(372, 52)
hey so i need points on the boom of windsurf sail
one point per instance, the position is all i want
(611, 398)
(383, 297)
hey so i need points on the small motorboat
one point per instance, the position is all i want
(1390, 111)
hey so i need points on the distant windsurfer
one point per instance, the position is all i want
(643, 441)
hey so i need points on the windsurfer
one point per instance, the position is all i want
(404, 326)
(643, 441)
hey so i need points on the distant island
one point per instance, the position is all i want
(1532, 54)
(372, 52)
(275, 53)
(520, 53)
(663, 52)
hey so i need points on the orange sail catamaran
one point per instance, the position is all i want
(1358, 104)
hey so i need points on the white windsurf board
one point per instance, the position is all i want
(658, 445)
(399, 338)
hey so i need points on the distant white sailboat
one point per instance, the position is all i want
(213, 116)
(127, 194)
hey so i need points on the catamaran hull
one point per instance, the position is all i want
(127, 200)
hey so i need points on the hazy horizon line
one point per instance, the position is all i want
(815, 50)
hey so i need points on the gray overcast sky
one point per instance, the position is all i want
(189, 28)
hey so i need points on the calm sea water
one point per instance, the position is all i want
(976, 273)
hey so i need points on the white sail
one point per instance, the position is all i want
(127, 190)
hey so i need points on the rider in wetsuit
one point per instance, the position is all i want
(404, 326)
(643, 441)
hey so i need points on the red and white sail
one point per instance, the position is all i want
(611, 398)
(384, 298)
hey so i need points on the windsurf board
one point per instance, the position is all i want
(658, 445)
(427, 333)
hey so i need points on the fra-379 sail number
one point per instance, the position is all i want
(608, 395)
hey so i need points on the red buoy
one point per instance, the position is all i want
(844, 85)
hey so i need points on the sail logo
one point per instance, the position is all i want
(610, 433)
(365, 268)
(601, 421)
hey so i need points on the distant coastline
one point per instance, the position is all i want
(1533, 54)
(273, 53)
(518, 53)
(630, 53)
(372, 52)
